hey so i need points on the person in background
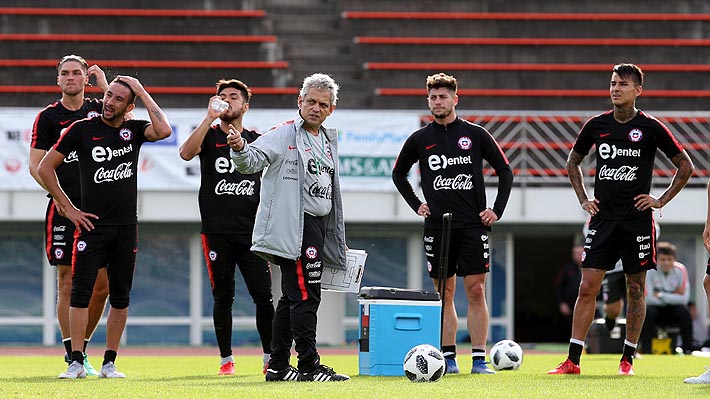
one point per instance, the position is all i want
(667, 295)
(228, 202)
(567, 285)
(73, 75)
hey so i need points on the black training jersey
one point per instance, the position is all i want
(49, 125)
(451, 164)
(108, 164)
(228, 199)
(625, 157)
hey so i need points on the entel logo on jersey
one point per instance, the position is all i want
(125, 134)
(606, 151)
(100, 154)
(437, 162)
(635, 135)
(224, 165)
(465, 143)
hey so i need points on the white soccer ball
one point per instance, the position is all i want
(506, 355)
(424, 363)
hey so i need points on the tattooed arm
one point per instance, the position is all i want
(160, 126)
(684, 169)
(576, 179)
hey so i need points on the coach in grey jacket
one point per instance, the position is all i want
(299, 224)
(278, 230)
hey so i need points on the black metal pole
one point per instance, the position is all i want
(443, 269)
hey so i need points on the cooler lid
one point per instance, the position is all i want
(398, 293)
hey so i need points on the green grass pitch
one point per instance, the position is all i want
(657, 376)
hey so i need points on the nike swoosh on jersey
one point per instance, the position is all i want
(65, 122)
(429, 147)
(219, 145)
(291, 147)
(644, 262)
(96, 138)
(605, 134)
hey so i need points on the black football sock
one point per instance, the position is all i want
(628, 352)
(77, 356)
(478, 354)
(86, 342)
(610, 323)
(575, 352)
(109, 356)
(449, 351)
(67, 346)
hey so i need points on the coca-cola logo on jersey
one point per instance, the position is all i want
(120, 172)
(437, 162)
(460, 182)
(318, 191)
(622, 173)
(244, 187)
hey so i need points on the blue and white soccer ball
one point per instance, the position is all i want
(424, 363)
(506, 355)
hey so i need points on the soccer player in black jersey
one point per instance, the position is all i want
(107, 148)
(228, 202)
(73, 75)
(450, 152)
(621, 227)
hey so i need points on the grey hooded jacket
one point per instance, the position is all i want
(278, 230)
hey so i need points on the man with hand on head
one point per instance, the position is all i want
(107, 147)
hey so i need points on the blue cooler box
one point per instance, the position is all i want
(392, 321)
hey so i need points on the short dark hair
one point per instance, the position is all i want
(440, 80)
(237, 84)
(131, 100)
(75, 58)
(666, 248)
(630, 71)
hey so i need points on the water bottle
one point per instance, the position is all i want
(219, 105)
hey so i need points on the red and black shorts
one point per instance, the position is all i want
(58, 236)
(113, 247)
(469, 251)
(632, 240)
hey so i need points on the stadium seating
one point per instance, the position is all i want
(530, 56)
(177, 53)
